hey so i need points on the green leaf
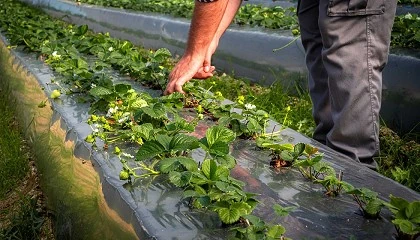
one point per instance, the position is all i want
(229, 215)
(286, 155)
(122, 88)
(243, 208)
(190, 193)
(253, 125)
(282, 211)
(397, 203)
(180, 179)
(164, 140)
(219, 134)
(227, 161)
(167, 165)
(405, 226)
(81, 30)
(299, 149)
(156, 110)
(413, 212)
(189, 163)
(209, 167)
(149, 150)
(100, 91)
(275, 231)
(161, 54)
(374, 207)
(219, 149)
(182, 142)
(143, 130)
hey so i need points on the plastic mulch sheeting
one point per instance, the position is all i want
(92, 203)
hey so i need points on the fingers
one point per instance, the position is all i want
(203, 74)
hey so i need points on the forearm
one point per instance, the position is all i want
(231, 9)
(206, 20)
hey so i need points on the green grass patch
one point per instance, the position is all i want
(290, 105)
(14, 159)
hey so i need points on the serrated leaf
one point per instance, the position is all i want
(204, 201)
(255, 221)
(413, 212)
(219, 134)
(222, 186)
(182, 142)
(222, 173)
(149, 150)
(286, 155)
(81, 30)
(219, 149)
(180, 179)
(122, 88)
(282, 211)
(190, 193)
(164, 140)
(156, 110)
(242, 207)
(275, 231)
(100, 91)
(161, 54)
(167, 165)
(374, 207)
(189, 163)
(143, 130)
(209, 167)
(228, 215)
(299, 149)
(253, 125)
(397, 204)
(405, 226)
(139, 103)
(227, 161)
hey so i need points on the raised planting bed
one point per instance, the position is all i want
(258, 62)
(185, 180)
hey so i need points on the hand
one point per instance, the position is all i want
(207, 69)
(184, 71)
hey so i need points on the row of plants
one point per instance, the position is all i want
(249, 14)
(405, 31)
(409, 2)
(124, 115)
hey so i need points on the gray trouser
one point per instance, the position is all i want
(347, 44)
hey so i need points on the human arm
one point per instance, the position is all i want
(231, 9)
(204, 25)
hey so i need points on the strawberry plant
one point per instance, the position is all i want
(311, 166)
(406, 217)
(368, 202)
(334, 184)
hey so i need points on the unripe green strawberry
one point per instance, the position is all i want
(55, 94)
(295, 32)
(199, 109)
(124, 175)
(117, 150)
(90, 138)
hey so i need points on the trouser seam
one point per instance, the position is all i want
(370, 73)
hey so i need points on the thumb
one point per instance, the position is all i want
(207, 64)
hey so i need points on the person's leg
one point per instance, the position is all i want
(356, 37)
(308, 13)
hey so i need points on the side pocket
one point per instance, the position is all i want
(356, 7)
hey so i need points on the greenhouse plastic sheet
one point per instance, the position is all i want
(91, 201)
(248, 52)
